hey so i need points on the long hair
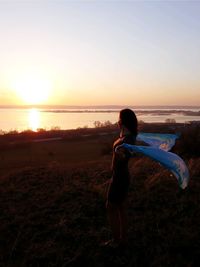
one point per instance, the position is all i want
(129, 120)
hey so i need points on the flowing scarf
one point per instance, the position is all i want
(158, 150)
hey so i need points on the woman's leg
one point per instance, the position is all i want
(114, 220)
(123, 222)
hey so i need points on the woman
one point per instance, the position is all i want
(119, 185)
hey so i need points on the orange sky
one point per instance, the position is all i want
(100, 53)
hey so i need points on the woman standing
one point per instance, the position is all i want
(119, 185)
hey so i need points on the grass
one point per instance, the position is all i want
(52, 203)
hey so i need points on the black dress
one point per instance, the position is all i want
(120, 181)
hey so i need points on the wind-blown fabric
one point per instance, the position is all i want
(162, 141)
(158, 151)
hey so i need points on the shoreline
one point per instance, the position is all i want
(30, 135)
(170, 121)
(185, 111)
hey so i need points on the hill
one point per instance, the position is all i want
(52, 202)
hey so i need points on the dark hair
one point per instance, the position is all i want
(129, 120)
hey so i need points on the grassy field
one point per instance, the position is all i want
(52, 202)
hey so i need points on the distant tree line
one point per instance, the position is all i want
(98, 124)
(170, 121)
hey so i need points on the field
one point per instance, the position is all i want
(52, 201)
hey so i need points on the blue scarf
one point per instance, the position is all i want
(158, 150)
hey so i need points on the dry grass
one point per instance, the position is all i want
(52, 208)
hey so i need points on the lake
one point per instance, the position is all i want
(21, 119)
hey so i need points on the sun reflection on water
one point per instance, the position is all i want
(34, 119)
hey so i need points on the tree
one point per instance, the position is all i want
(97, 124)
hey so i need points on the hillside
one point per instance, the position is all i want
(52, 202)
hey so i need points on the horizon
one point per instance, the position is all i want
(99, 106)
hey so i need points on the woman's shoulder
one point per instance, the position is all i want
(118, 142)
(129, 139)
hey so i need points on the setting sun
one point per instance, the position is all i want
(33, 89)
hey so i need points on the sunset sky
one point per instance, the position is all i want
(99, 52)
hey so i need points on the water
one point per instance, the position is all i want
(21, 119)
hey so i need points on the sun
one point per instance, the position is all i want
(33, 89)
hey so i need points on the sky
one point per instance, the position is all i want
(99, 52)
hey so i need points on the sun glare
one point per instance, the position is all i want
(33, 89)
(34, 119)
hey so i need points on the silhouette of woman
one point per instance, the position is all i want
(119, 184)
